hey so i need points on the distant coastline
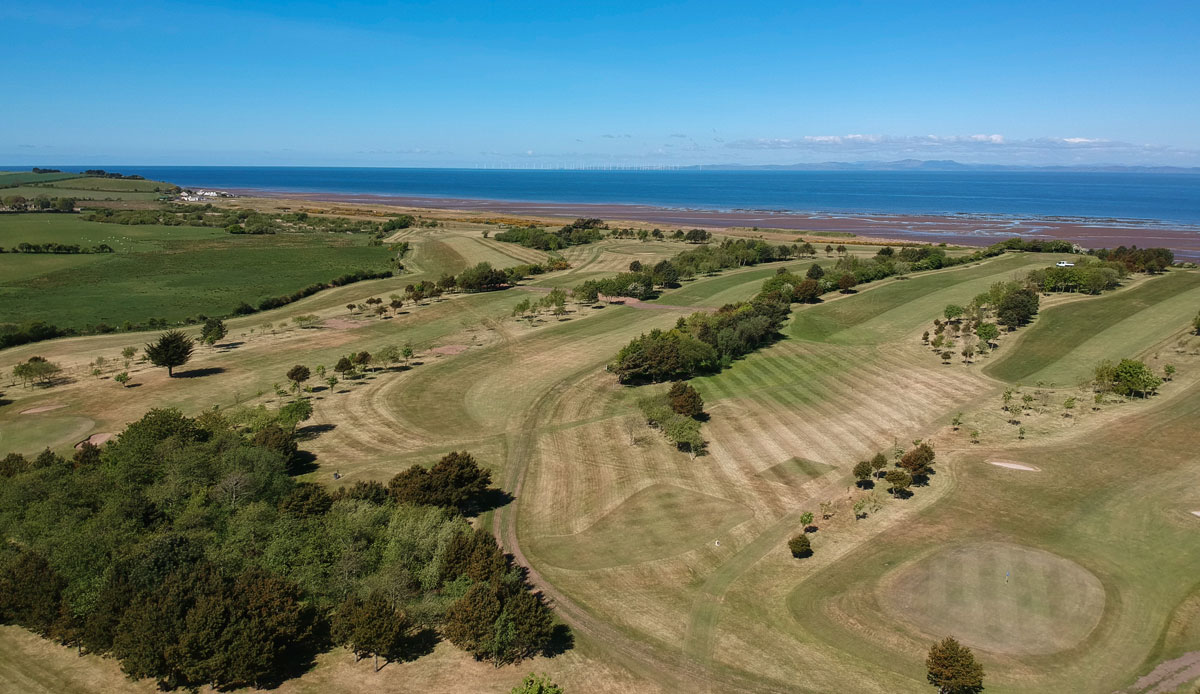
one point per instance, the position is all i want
(964, 229)
(916, 201)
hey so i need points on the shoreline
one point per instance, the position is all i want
(963, 229)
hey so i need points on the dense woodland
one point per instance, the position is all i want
(185, 550)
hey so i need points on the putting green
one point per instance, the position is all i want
(996, 597)
(659, 521)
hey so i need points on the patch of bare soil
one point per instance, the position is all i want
(1168, 676)
(638, 303)
(449, 349)
(43, 408)
(95, 440)
(1014, 466)
(339, 323)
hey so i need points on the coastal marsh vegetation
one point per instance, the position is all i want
(674, 572)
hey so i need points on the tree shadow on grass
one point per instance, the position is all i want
(490, 500)
(302, 463)
(200, 373)
(561, 641)
(312, 431)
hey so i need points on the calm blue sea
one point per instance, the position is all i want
(1163, 197)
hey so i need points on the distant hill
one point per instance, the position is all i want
(939, 165)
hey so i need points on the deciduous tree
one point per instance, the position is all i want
(213, 330)
(800, 546)
(298, 374)
(952, 668)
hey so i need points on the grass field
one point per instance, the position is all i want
(82, 188)
(1066, 342)
(159, 271)
(16, 178)
(673, 571)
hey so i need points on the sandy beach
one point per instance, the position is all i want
(970, 230)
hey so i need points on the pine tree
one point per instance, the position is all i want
(172, 349)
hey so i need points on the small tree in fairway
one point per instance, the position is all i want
(900, 481)
(298, 374)
(172, 349)
(800, 546)
(213, 330)
(952, 668)
(862, 471)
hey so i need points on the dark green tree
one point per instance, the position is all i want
(862, 470)
(298, 374)
(470, 621)
(213, 331)
(800, 546)
(306, 500)
(172, 349)
(371, 627)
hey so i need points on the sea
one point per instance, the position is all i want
(1148, 197)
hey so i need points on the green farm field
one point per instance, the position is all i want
(673, 571)
(160, 271)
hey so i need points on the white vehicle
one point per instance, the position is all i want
(1063, 263)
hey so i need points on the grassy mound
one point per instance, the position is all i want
(659, 521)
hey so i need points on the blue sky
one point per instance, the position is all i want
(582, 84)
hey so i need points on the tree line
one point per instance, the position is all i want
(42, 203)
(246, 221)
(184, 550)
(62, 248)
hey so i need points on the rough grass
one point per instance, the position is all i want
(659, 521)
(873, 315)
(1066, 341)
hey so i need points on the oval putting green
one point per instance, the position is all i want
(996, 597)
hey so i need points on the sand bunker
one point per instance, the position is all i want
(1196, 513)
(43, 408)
(449, 349)
(95, 440)
(1014, 466)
